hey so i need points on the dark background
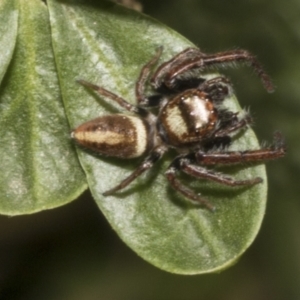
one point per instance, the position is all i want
(72, 253)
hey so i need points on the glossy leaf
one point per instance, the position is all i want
(107, 45)
(39, 169)
(8, 33)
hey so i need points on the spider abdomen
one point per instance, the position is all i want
(187, 119)
(115, 135)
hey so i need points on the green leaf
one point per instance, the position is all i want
(39, 169)
(107, 45)
(8, 33)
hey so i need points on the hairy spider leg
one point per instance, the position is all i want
(144, 76)
(177, 185)
(163, 69)
(218, 84)
(235, 125)
(147, 164)
(186, 165)
(154, 100)
(277, 150)
(119, 100)
(204, 61)
(217, 88)
(210, 83)
(191, 169)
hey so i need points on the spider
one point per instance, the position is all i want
(191, 119)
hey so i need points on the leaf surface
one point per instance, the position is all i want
(39, 168)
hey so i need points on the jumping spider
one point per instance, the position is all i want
(191, 119)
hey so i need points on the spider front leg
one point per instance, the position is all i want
(218, 88)
(204, 61)
(148, 163)
(143, 78)
(164, 68)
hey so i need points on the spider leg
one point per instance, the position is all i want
(119, 100)
(277, 150)
(178, 186)
(142, 99)
(217, 88)
(181, 84)
(200, 172)
(148, 163)
(163, 69)
(204, 61)
(216, 80)
(234, 125)
(144, 76)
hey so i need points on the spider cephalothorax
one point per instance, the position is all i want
(191, 119)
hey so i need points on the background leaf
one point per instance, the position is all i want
(39, 169)
(108, 45)
(8, 33)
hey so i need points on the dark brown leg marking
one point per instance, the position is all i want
(193, 58)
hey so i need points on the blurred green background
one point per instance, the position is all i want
(72, 253)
